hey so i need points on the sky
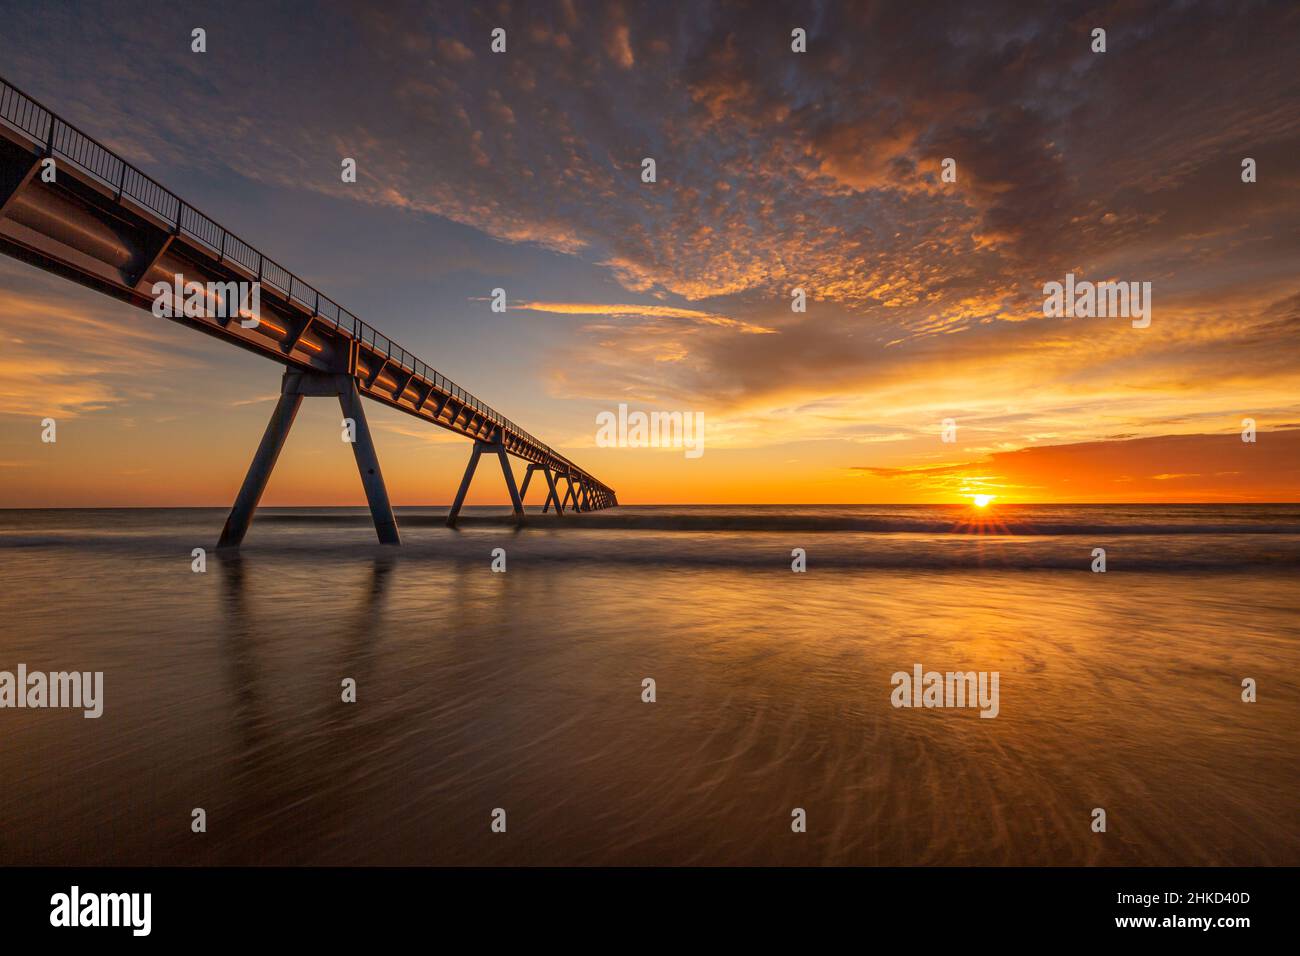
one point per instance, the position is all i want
(775, 170)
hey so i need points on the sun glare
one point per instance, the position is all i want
(982, 501)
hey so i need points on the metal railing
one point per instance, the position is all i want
(21, 112)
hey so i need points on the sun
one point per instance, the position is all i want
(982, 501)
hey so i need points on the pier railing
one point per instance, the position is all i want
(63, 140)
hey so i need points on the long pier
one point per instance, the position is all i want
(73, 207)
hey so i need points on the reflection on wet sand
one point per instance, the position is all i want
(284, 778)
(522, 690)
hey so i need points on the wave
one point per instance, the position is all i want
(803, 523)
(349, 547)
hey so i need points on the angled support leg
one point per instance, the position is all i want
(296, 386)
(551, 497)
(528, 479)
(515, 500)
(464, 484)
(250, 493)
(372, 479)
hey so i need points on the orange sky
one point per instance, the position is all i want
(775, 171)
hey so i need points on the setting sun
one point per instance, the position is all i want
(982, 501)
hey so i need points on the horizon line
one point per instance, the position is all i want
(703, 504)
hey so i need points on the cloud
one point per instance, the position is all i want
(452, 50)
(257, 400)
(1126, 471)
(817, 170)
(68, 352)
(646, 311)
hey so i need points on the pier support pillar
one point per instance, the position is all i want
(474, 456)
(372, 479)
(516, 501)
(259, 472)
(297, 385)
(552, 496)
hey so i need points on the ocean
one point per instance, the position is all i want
(479, 691)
